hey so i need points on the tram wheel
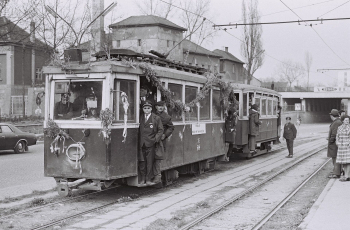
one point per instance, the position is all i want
(63, 190)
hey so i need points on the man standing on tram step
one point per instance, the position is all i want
(168, 130)
(150, 132)
(332, 147)
(289, 133)
(254, 124)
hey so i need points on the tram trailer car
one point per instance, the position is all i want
(82, 158)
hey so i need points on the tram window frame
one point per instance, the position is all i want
(174, 118)
(269, 107)
(245, 108)
(207, 105)
(257, 101)
(54, 100)
(275, 106)
(263, 107)
(118, 114)
(195, 108)
(216, 104)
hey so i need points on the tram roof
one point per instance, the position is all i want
(165, 72)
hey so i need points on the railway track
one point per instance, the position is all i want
(260, 223)
(262, 162)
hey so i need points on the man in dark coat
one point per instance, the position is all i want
(168, 130)
(289, 133)
(230, 131)
(150, 132)
(332, 147)
(64, 108)
(254, 124)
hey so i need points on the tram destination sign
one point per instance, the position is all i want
(198, 128)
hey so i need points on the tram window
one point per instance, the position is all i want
(269, 107)
(190, 95)
(128, 87)
(176, 91)
(78, 100)
(245, 108)
(263, 106)
(275, 107)
(204, 109)
(216, 105)
(257, 101)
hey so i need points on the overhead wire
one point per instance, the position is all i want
(233, 35)
(334, 8)
(317, 34)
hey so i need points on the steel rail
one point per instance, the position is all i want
(286, 199)
(78, 197)
(245, 192)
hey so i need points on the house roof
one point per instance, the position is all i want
(227, 56)
(187, 45)
(12, 33)
(146, 20)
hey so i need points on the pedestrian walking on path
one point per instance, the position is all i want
(332, 146)
(343, 143)
(289, 134)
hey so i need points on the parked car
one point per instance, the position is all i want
(13, 138)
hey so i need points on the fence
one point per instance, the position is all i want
(17, 105)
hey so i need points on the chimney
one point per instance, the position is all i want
(226, 49)
(97, 28)
(32, 31)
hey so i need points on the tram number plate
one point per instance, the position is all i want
(198, 129)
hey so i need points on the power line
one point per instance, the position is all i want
(317, 34)
(332, 69)
(283, 22)
(334, 8)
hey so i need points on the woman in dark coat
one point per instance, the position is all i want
(230, 131)
(254, 124)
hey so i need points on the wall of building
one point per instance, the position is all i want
(42, 58)
(18, 59)
(202, 61)
(152, 38)
(232, 71)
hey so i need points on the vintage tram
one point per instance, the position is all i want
(81, 153)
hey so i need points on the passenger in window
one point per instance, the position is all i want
(64, 108)
(254, 124)
(168, 130)
(146, 95)
(230, 131)
(150, 133)
(93, 114)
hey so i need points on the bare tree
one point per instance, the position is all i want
(252, 46)
(290, 71)
(156, 7)
(308, 63)
(193, 16)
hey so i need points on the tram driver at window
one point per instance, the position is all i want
(63, 108)
(254, 124)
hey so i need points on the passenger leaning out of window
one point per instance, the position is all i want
(254, 124)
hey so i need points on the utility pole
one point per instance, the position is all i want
(23, 88)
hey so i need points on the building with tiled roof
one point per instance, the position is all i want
(21, 60)
(230, 66)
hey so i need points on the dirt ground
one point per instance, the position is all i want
(296, 209)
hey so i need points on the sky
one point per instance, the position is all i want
(328, 43)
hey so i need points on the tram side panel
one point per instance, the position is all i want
(123, 155)
(93, 165)
(242, 131)
(267, 130)
(174, 154)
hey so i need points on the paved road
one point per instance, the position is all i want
(23, 173)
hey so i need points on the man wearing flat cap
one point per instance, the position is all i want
(168, 130)
(150, 133)
(332, 147)
(289, 133)
(63, 108)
